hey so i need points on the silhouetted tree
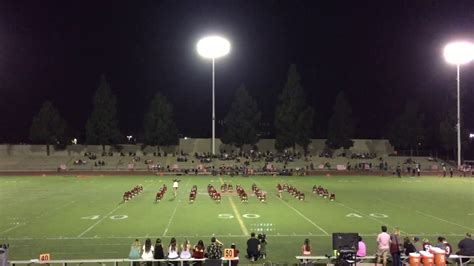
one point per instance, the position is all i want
(407, 129)
(293, 118)
(160, 128)
(341, 126)
(448, 133)
(48, 127)
(102, 126)
(241, 122)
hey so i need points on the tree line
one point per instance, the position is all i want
(293, 122)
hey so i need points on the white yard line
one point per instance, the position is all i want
(428, 215)
(170, 220)
(174, 212)
(244, 229)
(202, 236)
(370, 217)
(446, 221)
(11, 228)
(302, 215)
(104, 217)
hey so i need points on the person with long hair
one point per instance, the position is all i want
(198, 252)
(135, 249)
(396, 246)
(147, 253)
(159, 253)
(185, 251)
(306, 250)
(173, 252)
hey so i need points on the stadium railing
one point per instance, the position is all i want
(115, 262)
(453, 258)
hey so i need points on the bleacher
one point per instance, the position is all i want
(34, 158)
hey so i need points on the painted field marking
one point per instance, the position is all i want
(244, 229)
(174, 212)
(299, 213)
(428, 215)
(446, 221)
(302, 215)
(11, 228)
(105, 216)
(209, 236)
(370, 217)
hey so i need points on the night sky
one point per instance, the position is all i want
(380, 53)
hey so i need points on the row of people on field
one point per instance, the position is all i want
(260, 194)
(323, 192)
(213, 193)
(128, 195)
(161, 193)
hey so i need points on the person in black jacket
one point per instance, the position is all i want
(159, 254)
(408, 246)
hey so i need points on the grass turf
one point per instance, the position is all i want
(83, 218)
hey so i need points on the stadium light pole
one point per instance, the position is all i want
(459, 53)
(213, 47)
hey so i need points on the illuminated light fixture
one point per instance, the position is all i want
(213, 47)
(459, 53)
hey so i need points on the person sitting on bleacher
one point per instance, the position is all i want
(466, 246)
(361, 248)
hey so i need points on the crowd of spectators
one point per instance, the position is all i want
(175, 251)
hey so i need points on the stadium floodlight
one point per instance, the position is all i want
(459, 53)
(213, 47)
(471, 135)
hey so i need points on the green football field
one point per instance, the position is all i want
(83, 217)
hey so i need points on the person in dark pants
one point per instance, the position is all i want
(253, 247)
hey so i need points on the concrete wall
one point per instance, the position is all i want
(380, 146)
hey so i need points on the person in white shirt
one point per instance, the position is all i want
(147, 251)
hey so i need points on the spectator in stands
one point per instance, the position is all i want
(185, 250)
(159, 254)
(173, 250)
(147, 253)
(383, 245)
(198, 252)
(361, 248)
(408, 246)
(396, 247)
(236, 255)
(214, 250)
(135, 249)
(253, 247)
(466, 246)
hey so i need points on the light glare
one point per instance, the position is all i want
(213, 47)
(459, 52)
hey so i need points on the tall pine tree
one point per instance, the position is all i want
(102, 126)
(241, 122)
(48, 127)
(293, 118)
(341, 126)
(160, 128)
(407, 129)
